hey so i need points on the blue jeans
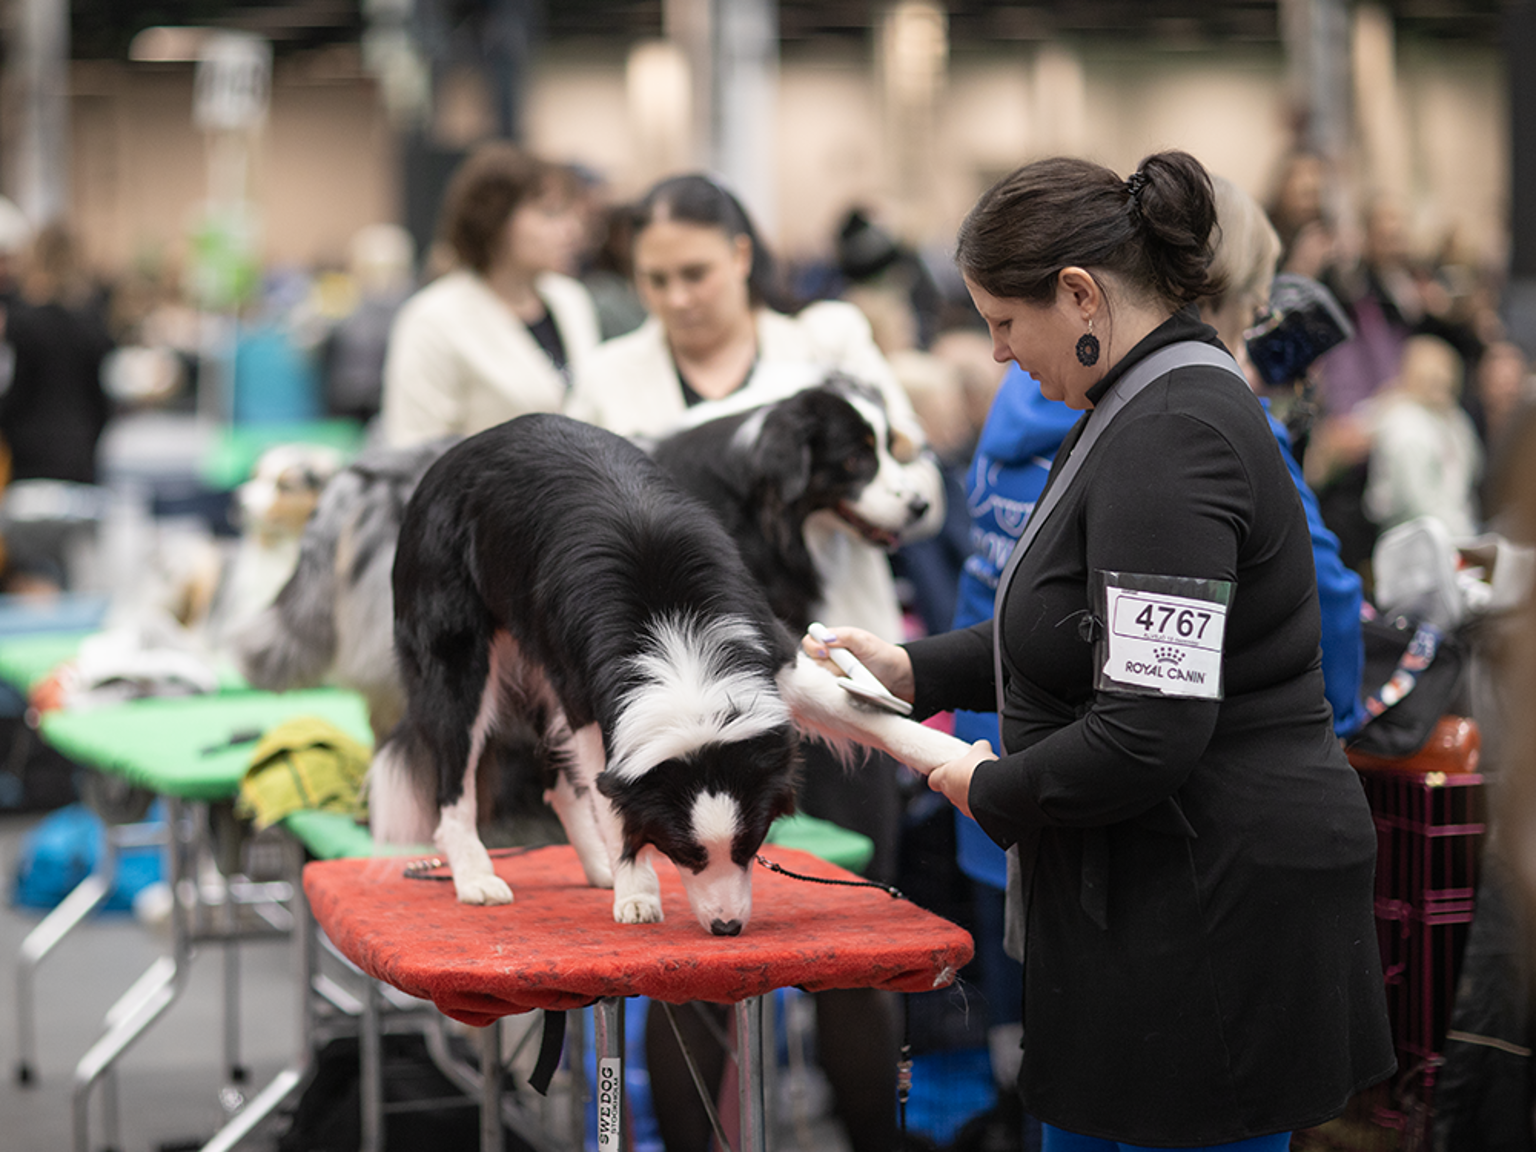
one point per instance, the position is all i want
(1060, 1140)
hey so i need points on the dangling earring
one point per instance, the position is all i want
(1088, 348)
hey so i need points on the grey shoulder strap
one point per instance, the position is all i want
(1186, 353)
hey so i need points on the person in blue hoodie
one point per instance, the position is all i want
(1013, 458)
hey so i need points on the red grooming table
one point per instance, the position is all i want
(557, 946)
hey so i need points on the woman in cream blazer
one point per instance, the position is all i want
(500, 334)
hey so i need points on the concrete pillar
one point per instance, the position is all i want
(913, 65)
(745, 104)
(36, 110)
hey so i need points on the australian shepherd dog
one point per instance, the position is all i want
(767, 470)
(550, 574)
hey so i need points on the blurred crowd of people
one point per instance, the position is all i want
(541, 293)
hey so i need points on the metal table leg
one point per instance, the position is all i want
(151, 995)
(82, 900)
(294, 1076)
(608, 1024)
(370, 1070)
(490, 1087)
(750, 1064)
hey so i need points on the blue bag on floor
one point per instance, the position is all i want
(64, 848)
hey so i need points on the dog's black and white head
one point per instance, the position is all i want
(833, 448)
(702, 758)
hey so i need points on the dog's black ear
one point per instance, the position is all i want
(781, 455)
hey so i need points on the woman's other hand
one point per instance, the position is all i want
(953, 780)
(889, 663)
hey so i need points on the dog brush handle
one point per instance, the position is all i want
(851, 665)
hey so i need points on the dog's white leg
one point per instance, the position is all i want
(574, 799)
(457, 836)
(824, 709)
(636, 891)
(474, 877)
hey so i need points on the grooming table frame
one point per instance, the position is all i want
(815, 936)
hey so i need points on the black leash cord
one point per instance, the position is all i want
(422, 869)
(890, 889)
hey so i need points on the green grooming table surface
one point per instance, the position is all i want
(234, 454)
(831, 842)
(24, 660)
(334, 836)
(182, 746)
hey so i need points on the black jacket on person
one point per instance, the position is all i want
(1201, 961)
(54, 411)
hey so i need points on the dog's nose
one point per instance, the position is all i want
(917, 507)
(725, 927)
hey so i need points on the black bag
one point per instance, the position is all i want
(434, 1115)
(1412, 677)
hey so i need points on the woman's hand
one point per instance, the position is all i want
(953, 780)
(889, 663)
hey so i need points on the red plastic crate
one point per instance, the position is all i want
(1429, 828)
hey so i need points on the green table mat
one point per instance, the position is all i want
(181, 746)
(334, 836)
(24, 660)
(234, 453)
(832, 842)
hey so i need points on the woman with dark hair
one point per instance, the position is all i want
(720, 327)
(500, 334)
(1191, 891)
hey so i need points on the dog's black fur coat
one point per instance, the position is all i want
(812, 452)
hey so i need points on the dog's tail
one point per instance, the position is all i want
(402, 799)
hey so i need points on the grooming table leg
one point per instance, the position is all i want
(608, 1026)
(150, 995)
(294, 1076)
(232, 1064)
(490, 1088)
(370, 1070)
(82, 900)
(750, 1046)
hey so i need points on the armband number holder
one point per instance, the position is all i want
(1161, 635)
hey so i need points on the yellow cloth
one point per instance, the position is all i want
(303, 763)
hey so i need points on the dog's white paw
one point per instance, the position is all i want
(483, 889)
(638, 908)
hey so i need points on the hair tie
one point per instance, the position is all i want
(1134, 183)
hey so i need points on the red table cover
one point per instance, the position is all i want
(557, 946)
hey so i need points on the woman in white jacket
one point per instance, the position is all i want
(500, 334)
(718, 329)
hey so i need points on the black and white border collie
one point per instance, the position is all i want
(766, 470)
(550, 573)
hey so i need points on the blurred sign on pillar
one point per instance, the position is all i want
(233, 83)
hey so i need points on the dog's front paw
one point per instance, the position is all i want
(638, 908)
(488, 888)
